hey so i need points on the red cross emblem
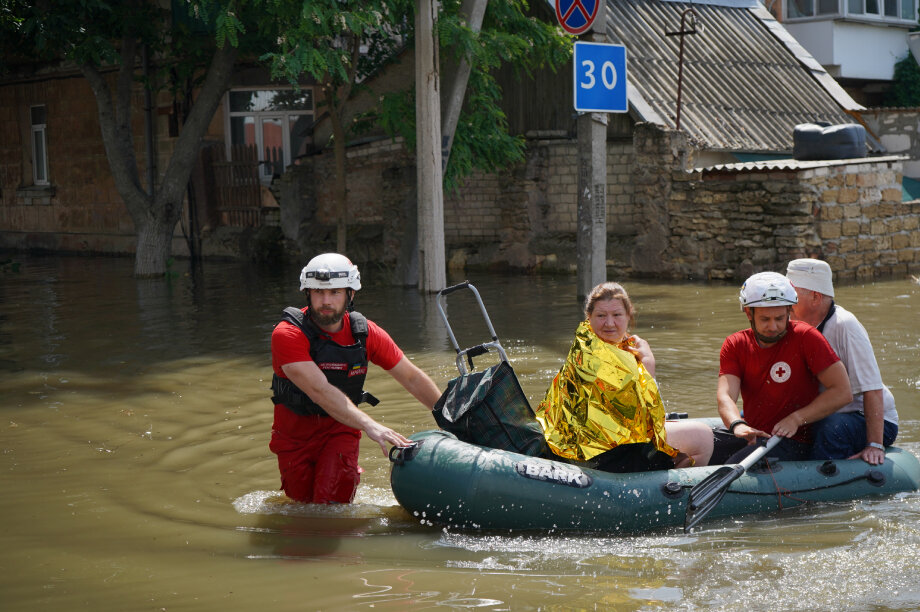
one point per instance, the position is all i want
(780, 372)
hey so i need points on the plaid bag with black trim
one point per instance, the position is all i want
(489, 409)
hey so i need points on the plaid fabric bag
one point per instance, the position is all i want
(489, 409)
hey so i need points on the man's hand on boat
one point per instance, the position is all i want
(383, 436)
(871, 455)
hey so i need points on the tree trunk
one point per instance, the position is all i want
(154, 241)
(341, 191)
(154, 219)
(338, 145)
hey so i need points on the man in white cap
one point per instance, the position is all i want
(869, 423)
(320, 356)
(776, 366)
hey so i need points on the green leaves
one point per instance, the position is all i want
(508, 36)
(905, 86)
(318, 37)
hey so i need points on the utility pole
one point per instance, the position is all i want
(591, 230)
(431, 258)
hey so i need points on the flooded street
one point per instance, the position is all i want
(136, 473)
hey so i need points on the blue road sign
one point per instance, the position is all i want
(599, 78)
(576, 16)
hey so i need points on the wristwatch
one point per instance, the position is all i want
(881, 447)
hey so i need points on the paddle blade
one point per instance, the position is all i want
(707, 494)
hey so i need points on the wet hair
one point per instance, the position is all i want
(609, 291)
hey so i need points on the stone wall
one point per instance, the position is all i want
(665, 219)
(898, 129)
(728, 221)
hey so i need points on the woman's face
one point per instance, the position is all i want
(610, 320)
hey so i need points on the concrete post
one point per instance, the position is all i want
(591, 240)
(431, 257)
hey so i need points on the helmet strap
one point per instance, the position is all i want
(767, 339)
(351, 300)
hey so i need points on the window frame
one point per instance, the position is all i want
(265, 170)
(844, 12)
(39, 158)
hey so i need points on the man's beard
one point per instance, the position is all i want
(325, 319)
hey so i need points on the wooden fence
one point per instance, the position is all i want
(234, 187)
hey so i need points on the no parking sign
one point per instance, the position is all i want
(576, 16)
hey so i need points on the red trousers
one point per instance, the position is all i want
(317, 457)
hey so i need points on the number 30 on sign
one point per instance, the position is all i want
(600, 78)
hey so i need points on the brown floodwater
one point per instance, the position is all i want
(136, 474)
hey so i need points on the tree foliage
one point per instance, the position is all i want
(508, 36)
(905, 86)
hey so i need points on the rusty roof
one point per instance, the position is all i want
(746, 81)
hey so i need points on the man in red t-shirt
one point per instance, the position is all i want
(776, 366)
(319, 357)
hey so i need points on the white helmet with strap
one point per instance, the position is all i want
(767, 289)
(330, 271)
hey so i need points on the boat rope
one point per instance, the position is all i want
(790, 492)
(780, 492)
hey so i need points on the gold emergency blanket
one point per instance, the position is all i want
(601, 398)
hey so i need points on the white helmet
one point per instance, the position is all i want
(330, 271)
(767, 289)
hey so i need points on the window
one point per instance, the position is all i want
(882, 10)
(39, 146)
(812, 8)
(278, 122)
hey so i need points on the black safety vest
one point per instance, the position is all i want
(345, 367)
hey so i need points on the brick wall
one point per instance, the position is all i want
(524, 217)
(80, 211)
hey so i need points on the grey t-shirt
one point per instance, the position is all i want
(850, 341)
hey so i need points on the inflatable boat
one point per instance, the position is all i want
(493, 476)
(444, 481)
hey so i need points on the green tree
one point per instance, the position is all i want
(339, 44)
(905, 85)
(509, 35)
(100, 36)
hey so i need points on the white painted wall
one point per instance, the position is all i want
(852, 50)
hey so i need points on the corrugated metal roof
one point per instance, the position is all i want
(795, 164)
(746, 82)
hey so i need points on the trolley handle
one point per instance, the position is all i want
(476, 350)
(453, 288)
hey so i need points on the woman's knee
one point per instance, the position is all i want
(692, 437)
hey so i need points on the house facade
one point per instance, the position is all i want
(857, 41)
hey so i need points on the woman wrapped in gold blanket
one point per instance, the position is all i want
(604, 404)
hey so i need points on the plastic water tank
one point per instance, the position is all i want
(811, 141)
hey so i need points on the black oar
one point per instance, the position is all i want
(707, 493)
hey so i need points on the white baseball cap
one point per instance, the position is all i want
(811, 274)
(767, 289)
